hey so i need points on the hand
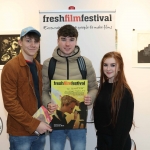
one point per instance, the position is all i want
(87, 100)
(75, 114)
(43, 127)
(51, 107)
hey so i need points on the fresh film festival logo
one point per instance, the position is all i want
(69, 83)
(1, 126)
(80, 18)
(73, 18)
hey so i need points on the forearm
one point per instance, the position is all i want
(92, 83)
(93, 94)
(46, 98)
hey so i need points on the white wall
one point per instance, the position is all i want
(134, 14)
(130, 14)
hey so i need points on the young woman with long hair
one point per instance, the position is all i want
(114, 105)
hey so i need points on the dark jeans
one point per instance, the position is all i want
(104, 142)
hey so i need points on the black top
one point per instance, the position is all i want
(102, 116)
(34, 73)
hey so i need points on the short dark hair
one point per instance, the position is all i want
(32, 35)
(67, 30)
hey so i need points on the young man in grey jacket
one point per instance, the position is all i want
(66, 54)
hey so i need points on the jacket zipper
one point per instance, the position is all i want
(67, 68)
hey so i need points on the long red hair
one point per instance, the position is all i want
(118, 87)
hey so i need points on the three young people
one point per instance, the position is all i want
(22, 87)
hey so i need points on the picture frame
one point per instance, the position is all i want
(116, 39)
(141, 48)
(10, 48)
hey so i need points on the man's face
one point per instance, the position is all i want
(69, 108)
(67, 45)
(29, 47)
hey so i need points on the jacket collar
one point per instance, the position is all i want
(74, 56)
(22, 61)
(75, 52)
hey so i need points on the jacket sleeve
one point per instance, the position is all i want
(124, 122)
(91, 77)
(46, 98)
(11, 102)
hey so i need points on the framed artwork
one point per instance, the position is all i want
(116, 38)
(10, 48)
(141, 48)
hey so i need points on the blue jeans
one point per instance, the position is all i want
(27, 142)
(77, 139)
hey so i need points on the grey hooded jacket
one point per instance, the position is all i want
(67, 68)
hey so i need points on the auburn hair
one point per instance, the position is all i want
(119, 84)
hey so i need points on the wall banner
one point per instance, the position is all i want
(96, 32)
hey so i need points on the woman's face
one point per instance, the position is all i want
(110, 68)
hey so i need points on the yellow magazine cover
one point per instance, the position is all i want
(71, 111)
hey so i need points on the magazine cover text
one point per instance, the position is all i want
(71, 111)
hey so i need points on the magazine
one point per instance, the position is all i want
(71, 111)
(43, 115)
